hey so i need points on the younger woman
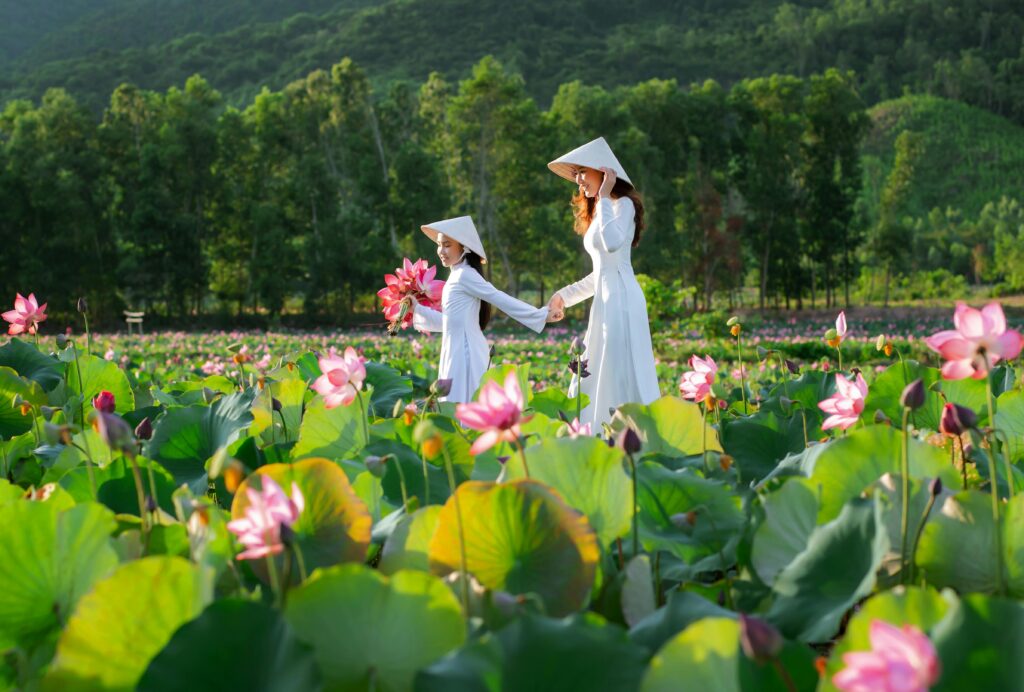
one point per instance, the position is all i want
(466, 307)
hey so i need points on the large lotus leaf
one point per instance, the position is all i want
(117, 485)
(520, 537)
(971, 393)
(408, 544)
(11, 385)
(811, 594)
(498, 373)
(256, 650)
(670, 427)
(334, 525)
(682, 610)
(335, 433)
(387, 386)
(589, 475)
(979, 642)
(369, 631)
(707, 656)
(535, 653)
(1010, 422)
(666, 499)
(922, 608)
(957, 547)
(273, 426)
(757, 443)
(90, 375)
(31, 363)
(184, 438)
(852, 463)
(551, 400)
(808, 389)
(791, 514)
(49, 559)
(886, 389)
(124, 622)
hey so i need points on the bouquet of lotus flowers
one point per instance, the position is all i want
(411, 280)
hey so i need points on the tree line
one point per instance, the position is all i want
(179, 205)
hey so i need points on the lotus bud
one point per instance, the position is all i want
(831, 334)
(956, 419)
(732, 321)
(432, 446)
(503, 459)
(114, 431)
(409, 414)
(442, 387)
(913, 395)
(935, 487)
(375, 465)
(880, 342)
(47, 412)
(209, 395)
(83, 305)
(629, 441)
(760, 641)
(576, 347)
(275, 404)
(880, 417)
(793, 367)
(62, 341)
(888, 350)
(104, 401)
(396, 410)
(151, 504)
(735, 329)
(144, 430)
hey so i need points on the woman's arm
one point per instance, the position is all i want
(426, 319)
(577, 292)
(614, 223)
(524, 313)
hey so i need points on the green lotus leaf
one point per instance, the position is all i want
(408, 544)
(31, 363)
(90, 375)
(335, 433)
(520, 537)
(12, 423)
(670, 427)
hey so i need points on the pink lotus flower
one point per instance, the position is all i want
(26, 315)
(578, 430)
(341, 379)
(414, 279)
(846, 404)
(979, 341)
(269, 509)
(497, 412)
(841, 325)
(104, 401)
(900, 660)
(696, 384)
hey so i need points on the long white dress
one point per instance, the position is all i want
(464, 351)
(618, 340)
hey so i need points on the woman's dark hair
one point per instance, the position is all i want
(583, 208)
(473, 260)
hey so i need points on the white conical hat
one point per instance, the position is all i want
(595, 154)
(461, 229)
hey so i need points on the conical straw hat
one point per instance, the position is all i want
(596, 154)
(461, 229)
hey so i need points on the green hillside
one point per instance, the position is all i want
(965, 49)
(970, 156)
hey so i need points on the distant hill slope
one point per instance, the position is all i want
(971, 156)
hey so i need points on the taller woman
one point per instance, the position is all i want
(610, 216)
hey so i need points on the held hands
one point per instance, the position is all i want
(607, 183)
(556, 308)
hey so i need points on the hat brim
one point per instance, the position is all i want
(564, 169)
(432, 233)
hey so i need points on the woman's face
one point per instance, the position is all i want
(589, 181)
(448, 251)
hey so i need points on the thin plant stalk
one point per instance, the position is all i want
(401, 483)
(275, 582)
(462, 535)
(522, 455)
(636, 524)
(297, 550)
(743, 379)
(88, 335)
(917, 535)
(366, 420)
(993, 484)
(140, 495)
(905, 513)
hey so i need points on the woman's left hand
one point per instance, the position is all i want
(608, 183)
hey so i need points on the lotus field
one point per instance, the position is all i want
(810, 506)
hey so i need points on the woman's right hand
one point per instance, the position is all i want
(556, 308)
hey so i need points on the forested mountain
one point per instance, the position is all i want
(963, 49)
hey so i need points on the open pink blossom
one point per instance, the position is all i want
(696, 383)
(414, 279)
(26, 315)
(846, 404)
(498, 413)
(979, 341)
(342, 378)
(577, 429)
(269, 509)
(901, 659)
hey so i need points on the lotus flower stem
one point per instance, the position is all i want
(784, 674)
(993, 484)
(401, 484)
(152, 483)
(297, 549)
(366, 419)
(782, 371)
(636, 524)
(917, 534)
(905, 513)
(81, 417)
(522, 455)
(703, 442)
(275, 583)
(743, 379)
(963, 459)
(994, 445)
(140, 495)
(426, 478)
(284, 424)
(464, 581)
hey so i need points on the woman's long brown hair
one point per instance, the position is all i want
(474, 261)
(583, 208)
